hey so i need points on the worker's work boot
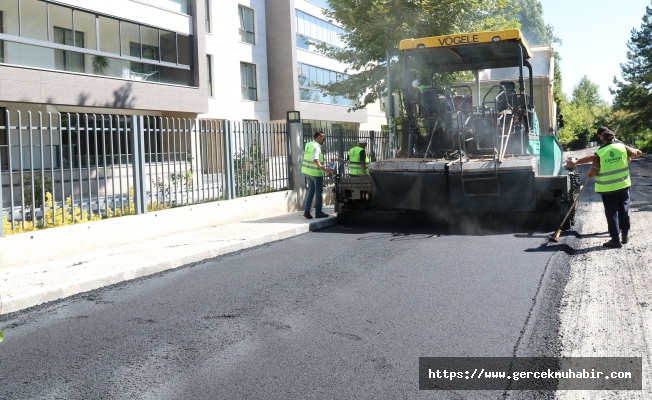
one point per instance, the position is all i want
(307, 215)
(613, 244)
(625, 237)
(321, 215)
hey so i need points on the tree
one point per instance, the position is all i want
(535, 30)
(582, 116)
(573, 124)
(374, 26)
(587, 94)
(633, 95)
(557, 89)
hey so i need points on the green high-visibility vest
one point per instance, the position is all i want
(308, 167)
(614, 168)
(355, 166)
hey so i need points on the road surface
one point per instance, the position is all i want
(344, 312)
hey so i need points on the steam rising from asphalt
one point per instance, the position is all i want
(486, 224)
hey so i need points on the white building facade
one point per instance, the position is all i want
(102, 56)
(261, 66)
(243, 60)
(236, 48)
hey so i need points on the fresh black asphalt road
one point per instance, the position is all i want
(341, 313)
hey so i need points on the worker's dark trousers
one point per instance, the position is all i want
(616, 209)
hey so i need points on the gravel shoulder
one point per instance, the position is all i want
(606, 307)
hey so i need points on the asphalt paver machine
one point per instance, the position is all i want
(474, 146)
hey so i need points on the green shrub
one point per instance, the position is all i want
(38, 187)
(250, 168)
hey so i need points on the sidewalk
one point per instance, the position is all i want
(28, 286)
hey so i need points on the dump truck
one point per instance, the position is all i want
(478, 145)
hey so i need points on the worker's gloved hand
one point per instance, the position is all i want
(571, 162)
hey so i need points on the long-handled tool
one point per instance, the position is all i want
(555, 237)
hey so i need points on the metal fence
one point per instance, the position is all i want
(261, 158)
(64, 168)
(338, 143)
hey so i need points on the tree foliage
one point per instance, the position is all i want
(633, 94)
(587, 94)
(375, 26)
(583, 114)
(250, 170)
(558, 87)
(574, 124)
(535, 30)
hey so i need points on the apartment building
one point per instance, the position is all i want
(295, 68)
(261, 65)
(118, 56)
(227, 59)
(236, 55)
(85, 63)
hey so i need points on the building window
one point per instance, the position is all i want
(85, 24)
(310, 124)
(60, 19)
(246, 24)
(180, 6)
(248, 81)
(208, 16)
(168, 47)
(184, 49)
(130, 35)
(315, 29)
(310, 77)
(149, 43)
(2, 44)
(161, 56)
(9, 11)
(33, 19)
(68, 60)
(4, 150)
(109, 35)
(209, 73)
(321, 3)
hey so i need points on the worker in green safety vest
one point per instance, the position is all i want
(356, 154)
(611, 171)
(416, 84)
(314, 169)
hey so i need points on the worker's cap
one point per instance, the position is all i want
(606, 133)
(362, 141)
(602, 129)
(416, 83)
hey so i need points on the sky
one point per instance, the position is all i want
(594, 36)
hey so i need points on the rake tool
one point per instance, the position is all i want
(555, 236)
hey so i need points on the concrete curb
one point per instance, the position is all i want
(34, 298)
(63, 241)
